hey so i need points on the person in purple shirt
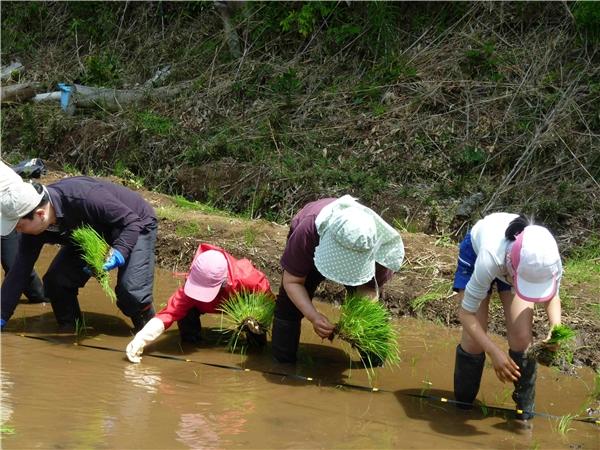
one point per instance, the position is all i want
(335, 239)
(49, 214)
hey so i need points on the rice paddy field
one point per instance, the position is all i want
(66, 391)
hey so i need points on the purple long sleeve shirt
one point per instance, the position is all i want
(117, 213)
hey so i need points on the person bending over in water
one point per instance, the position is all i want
(335, 239)
(214, 277)
(510, 251)
(49, 214)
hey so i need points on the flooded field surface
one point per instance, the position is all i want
(65, 392)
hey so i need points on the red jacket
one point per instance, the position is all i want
(242, 275)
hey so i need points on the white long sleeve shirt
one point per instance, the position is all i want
(489, 243)
(490, 246)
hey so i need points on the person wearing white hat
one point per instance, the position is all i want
(335, 239)
(10, 243)
(49, 214)
(511, 252)
(214, 277)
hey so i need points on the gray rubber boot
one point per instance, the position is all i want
(524, 393)
(468, 368)
(285, 340)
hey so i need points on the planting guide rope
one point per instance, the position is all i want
(591, 420)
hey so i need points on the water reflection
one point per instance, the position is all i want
(6, 409)
(209, 429)
(144, 377)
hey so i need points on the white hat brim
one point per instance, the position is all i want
(7, 225)
(535, 292)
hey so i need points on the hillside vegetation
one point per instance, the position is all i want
(432, 113)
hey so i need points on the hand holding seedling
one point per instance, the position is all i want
(506, 369)
(549, 344)
(113, 260)
(322, 326)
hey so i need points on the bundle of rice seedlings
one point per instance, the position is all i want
(247, 315)
(94, 251)
(367, 327)
(557, 350)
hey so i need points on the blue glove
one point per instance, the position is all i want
(2, 323)
(113, 260)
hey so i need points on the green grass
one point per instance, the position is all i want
(249, 236)
(584, 264)
(184, 203)
(247, 315)
(94, 251)
(438, 291)
(366, 326)
(187, 229)
(596, 392)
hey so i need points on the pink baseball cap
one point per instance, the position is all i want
(536, 264)
(206, 277)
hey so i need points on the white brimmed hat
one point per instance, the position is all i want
(352, 239)
(536, 264)
(17, 200)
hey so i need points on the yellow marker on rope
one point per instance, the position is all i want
(519, 411)
(309, 379)
(188, 360)
(444, 400)
(246, 370)
(375, 389)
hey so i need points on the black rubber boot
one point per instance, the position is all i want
(370, 359)
(285, 340)
(141, 318)
(524, 393)
(190, 328)
(468, 368)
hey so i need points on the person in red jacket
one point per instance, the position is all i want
(214, 277)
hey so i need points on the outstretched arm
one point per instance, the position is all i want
(506, 369)
(294, 286)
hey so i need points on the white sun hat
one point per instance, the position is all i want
(536, 263)
(8, 177)
(17, 199)
(352, 239)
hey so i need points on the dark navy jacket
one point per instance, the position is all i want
(117, 213)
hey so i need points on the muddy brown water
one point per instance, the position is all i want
(61, 392)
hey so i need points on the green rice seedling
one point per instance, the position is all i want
(557, 350)
(563, 424)
(596, 391)
(367, 327)
(248, 315)
(95, 249)
(5, 429)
